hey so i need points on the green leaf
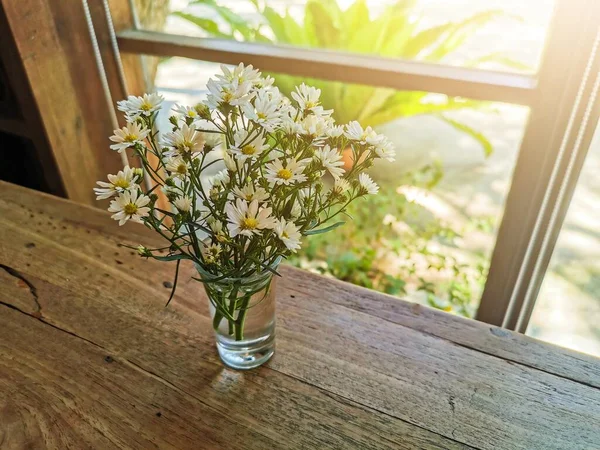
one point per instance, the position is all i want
(461, 31)
(320, 26)
(487, 146)
(355, 15)
(210, 26)
(276, 23)
(171, 257)
(324, 230)
(235, 21)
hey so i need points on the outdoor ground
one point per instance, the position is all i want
(568, 309)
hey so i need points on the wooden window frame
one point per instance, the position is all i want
(552, 149)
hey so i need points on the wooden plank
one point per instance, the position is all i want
(338, 66)
(176, 346)
(375, 382)
(57, 53)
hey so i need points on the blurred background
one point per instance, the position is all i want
(430, 235)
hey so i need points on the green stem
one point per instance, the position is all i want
(241, 319)
(232, 303)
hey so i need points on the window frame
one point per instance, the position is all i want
(548, 159)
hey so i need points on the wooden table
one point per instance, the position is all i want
(90, 358)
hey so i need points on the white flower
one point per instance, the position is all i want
(288, 233)
(249, 193)
(247, 219)
(232, 164)
(367, 136)
(129, 206)
(122, 181)
(183, 204)
(240, 74)
(212, 140)
(296, 209)
(331, 160)
(265, 111)
(313, 126)
(128, 136)
(340, 186)
(245, 147)
(334, 131)
(385, 150)
(177, 167)
(210, 253)
(307, 97)
(216, 227)
(187, 112)
(291, 172)
(367, 185)
(232, 94)
(186, 140)
(135, 107)
(220, 178)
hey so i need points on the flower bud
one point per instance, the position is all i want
(169, 182)
(202, 111)
(144, 251)
(139, 174)
(174, 121)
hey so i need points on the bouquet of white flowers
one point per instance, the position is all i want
(281, 178)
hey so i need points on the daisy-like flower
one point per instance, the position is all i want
(129, 205)
(187, 112)
(313, 126)
(278, 172)
(240, 74)
(385, 150)
(184, 141)
(340, 186)
(230, 94)
(307, 97)
(289, 234)
(216, 227)
(265, 111)
(135, 107)
(367, 185)
(220, 178)
(124, 179)
(334, 131)
(368, 136)
(128, 136)
(250, 193)
(183, 204)
(211, 253)
(245, 148)
(177, 167)
(331, 160)
(247, 218)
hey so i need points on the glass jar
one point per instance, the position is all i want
(243, 316)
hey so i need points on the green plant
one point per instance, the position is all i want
(395, 245)
(397, 32)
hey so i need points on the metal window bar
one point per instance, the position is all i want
(551, 95)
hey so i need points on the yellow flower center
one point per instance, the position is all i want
(122, 183)
(227, 96)
(249, 197)
(146, 106)
(182, 169)
(310, 105)
(249, 149)
(192, 113)
(249, 223)
(285, 235)
(262, 115)
(130, 209)
(285, 174)
(185, 146)
(131, 138)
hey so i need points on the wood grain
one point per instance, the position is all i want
(85, 340)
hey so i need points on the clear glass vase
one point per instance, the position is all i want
(243, 316)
